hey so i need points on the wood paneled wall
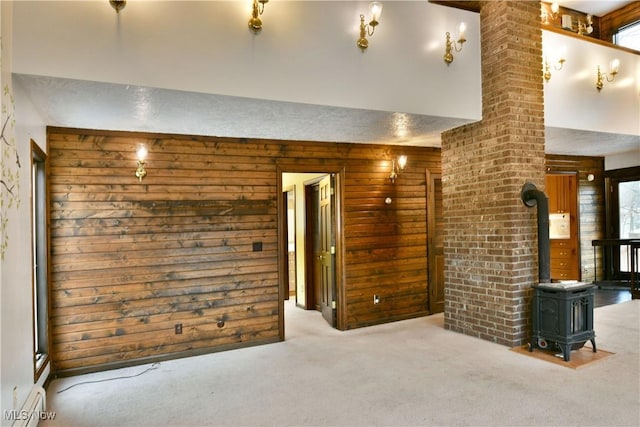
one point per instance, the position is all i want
(591, 206)
(612, 22)
(576, 16)
(130, 261)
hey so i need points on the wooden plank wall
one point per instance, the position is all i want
(611, 22)
(131, 260)
(591, 206)
(386, 246)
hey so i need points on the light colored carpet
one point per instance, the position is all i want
(405, 373)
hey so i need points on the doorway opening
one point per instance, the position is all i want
(311, 261)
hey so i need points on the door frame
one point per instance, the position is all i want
(290, 190)
(432, 267)
(336, 168)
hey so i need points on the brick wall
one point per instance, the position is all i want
(490, 236)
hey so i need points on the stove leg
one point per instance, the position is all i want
(593, 344)
(566, 351)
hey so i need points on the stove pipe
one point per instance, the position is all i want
(531, 196)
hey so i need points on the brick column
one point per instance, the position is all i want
(490, 236)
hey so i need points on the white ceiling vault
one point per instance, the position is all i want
(194, 68)
(595, 7)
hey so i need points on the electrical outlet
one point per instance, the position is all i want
(178, 328)
(376, 299)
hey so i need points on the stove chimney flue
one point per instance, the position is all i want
(531, 197)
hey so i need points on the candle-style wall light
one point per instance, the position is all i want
(397, 167)
(141, 154)
(601, 77)
(454, 46)
(118, 5)
(368, 29)
(255, 23)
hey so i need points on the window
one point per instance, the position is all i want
(40, 260)
(628, 217)
(622, 218)
(628, 36)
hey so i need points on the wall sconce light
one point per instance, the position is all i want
(118, 5)
(585, 28)
(556, 66)
(255, 23)
(396, 168)
(555, 8)
(613, 70)
(454, 46)
(368, 29)
(142, 156)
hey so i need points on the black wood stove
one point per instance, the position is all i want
(562, 312)
(563, 317)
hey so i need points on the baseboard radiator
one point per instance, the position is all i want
(35, 405)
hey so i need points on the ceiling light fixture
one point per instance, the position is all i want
(368, 29)
(118, 5)
(454, 46)
(255, 23)
(601, 77)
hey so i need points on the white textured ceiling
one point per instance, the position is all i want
(95, 105)
(595, 7)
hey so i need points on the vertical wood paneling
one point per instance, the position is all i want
(131, 260)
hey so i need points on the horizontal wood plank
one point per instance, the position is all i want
(130, 259)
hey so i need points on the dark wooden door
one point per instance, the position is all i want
(327, 251)
(286, 272)
(435, 245)
(312, 248)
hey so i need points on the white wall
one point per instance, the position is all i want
(16, 350)
(571, 98)
(5, 76)
(305, 53)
